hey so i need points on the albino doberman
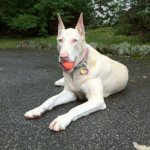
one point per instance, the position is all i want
(87, 75)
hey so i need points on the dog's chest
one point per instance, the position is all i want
(74, 82)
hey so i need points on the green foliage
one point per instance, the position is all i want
(24, 22)
(78, 6)
(130, 50)
(131, 17)
(39, 17)
(136, 20)
(107, 36)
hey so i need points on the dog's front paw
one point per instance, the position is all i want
(60, 82)
(32, 114)
(60, 123)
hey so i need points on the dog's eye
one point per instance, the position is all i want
(74, 40)
(60, 40)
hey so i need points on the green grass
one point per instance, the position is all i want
(107, 36)
(102, 36)
(13, 42)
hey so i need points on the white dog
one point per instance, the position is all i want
(87, 75)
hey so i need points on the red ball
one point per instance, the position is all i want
(68, 65)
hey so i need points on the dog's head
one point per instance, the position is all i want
(71, 44)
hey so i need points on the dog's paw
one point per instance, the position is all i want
(60, 123)
(103, 106)
(32, 114)
(60, 82)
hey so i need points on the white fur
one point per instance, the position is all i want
(60, 82)
(105, 77)
(141, 147)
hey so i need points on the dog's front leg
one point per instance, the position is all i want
(92, 105)
(93, 90)
(64, 97)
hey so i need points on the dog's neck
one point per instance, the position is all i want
(82, 59)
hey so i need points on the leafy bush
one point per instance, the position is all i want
(132, 17)
(124, 49)
(108, 12)
(131, 50)
(136, 21)
(24, 22)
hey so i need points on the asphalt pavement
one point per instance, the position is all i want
(27, 79)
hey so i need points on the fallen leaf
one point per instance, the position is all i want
(132, 81)
(145, 77)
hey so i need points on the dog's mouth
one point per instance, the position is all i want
(67, 66)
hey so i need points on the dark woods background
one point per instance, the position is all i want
(39, 17)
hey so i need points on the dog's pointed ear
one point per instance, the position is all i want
(60, 24)
(80, 25)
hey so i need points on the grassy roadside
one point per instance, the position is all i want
(103, 39)
(102, 36)
(107, 36)
(13, 42)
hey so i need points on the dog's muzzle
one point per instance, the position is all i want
(69, 66)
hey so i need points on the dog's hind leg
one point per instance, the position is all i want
(60, 82)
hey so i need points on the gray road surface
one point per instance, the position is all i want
(27, 79)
